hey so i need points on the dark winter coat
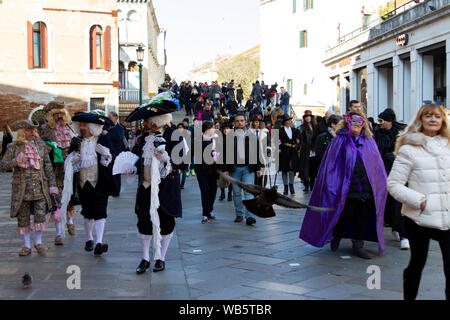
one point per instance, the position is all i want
(288, 150)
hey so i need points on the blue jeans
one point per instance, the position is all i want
(242, 174)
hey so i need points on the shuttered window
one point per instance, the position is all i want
(100, 48)
(37, 43)
(294, 6)
(303, 38)
(308, 4)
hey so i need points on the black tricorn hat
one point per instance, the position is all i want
(160, 104)
(95, 116)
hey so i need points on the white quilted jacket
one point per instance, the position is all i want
(423, 163)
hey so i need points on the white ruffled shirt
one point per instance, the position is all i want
(87, 165)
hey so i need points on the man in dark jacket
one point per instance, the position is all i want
(284, 100)
(118, 143)
(241, 167)
(386, 137)
(257, 91)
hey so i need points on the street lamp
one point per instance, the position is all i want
(140, 58)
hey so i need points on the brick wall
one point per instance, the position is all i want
(14, 107)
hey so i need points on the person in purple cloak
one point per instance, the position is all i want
(351, 179)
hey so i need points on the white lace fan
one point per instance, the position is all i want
(124, 162)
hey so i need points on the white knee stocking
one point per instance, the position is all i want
(145, 242)
(26, 238)
(58, 228)
(38, 237)
(165, 241)
(99, 229)
(88, 226)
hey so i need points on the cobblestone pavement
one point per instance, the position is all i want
(218, 260)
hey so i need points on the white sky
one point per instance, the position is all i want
(199, 30)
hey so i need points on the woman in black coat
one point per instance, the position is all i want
(308, 166)
(206, 173)
(289, 138)
(324, 139)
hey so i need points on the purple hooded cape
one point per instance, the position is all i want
(332, 185)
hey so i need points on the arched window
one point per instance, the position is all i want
(133, 32)
(122, 27)
(100, 48)
(37, 45)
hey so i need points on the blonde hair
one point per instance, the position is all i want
(51, 119)
(21, 136)
(416, 125)
(343, 125)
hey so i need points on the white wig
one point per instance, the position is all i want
(95, 129)
(161, 120)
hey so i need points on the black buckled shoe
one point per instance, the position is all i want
(286, 190)
(159, 266)
(89, 245)
(100, 248)
(143, 266)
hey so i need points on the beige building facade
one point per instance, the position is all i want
(138, 26)
(58, 50)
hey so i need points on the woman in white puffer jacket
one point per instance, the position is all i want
(420, 180)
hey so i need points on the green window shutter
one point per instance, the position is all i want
(294, 6)
(302, 39)
(305, 89)
(305, 5)
(312, 4)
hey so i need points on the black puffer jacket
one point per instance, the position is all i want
(385, 140)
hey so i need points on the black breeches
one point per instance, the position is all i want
(94, 202)
(166, 221)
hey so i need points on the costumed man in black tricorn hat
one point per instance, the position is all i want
(158, 199)
(90, 157)
(57, 134)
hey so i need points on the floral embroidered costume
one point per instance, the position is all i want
(33, 182)
(57, 135)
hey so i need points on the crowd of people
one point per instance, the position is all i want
(372, 175)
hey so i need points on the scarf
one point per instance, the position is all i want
(31, 158)
(63, 136)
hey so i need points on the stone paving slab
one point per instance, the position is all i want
(236, 261)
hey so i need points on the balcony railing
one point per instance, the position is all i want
(129, 95)
(376, 22)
